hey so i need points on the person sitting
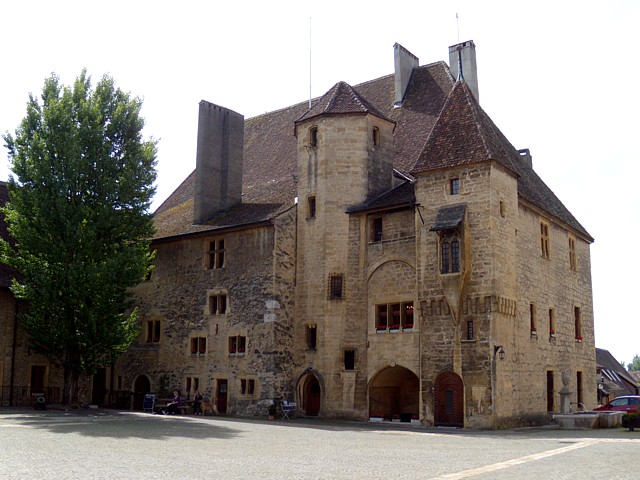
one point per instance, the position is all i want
(197, 403)
(172, 407)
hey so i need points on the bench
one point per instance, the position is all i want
(186, 408)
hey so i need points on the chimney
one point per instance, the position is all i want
(464, 54)
(218, 185)
(525, 156)
(405, 62)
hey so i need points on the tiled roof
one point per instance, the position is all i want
(341, 99)
(401, 195)
(439, 124)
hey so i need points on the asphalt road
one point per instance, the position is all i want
(127, 445)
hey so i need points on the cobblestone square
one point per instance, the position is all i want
(127, 445)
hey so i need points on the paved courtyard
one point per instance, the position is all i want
(127, 445)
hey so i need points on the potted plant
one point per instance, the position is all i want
(272, 411)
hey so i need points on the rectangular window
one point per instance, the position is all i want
(449, 255)
(579, 389)
(153, 331)
(335, 287)
(349, 359)
(252, 387)
(311, 206)
(573, 262)
(532, 319)
(215, 254)
(198, 345)
(578, 323)
(393, 316)
(552, 322)
(445, 257)
(376, 229)
(454, 185)
(470, 330)
(243, 386)
(217, 304)
(311, 336)
(544, 240)
(237, 345)
(192, 384)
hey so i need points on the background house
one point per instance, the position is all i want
(613, 378)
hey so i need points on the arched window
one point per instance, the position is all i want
(376, 136)
(313, 136)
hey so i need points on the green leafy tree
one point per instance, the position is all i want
(78, 211)
(634, 366)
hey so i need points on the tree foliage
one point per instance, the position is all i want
(634, 366)
(78, 211)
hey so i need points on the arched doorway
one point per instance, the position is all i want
(448, 409)
(311, 395)
(141, 387)
(394, 393)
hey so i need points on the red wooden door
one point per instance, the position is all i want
(449, 400)
(222, 396)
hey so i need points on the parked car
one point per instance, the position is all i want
(626, 403)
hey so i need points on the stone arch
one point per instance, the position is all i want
(376, 266)
(310, 394)
(394, 393)
(141, 386)
(448, 399)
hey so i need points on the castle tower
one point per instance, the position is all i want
(344, 158)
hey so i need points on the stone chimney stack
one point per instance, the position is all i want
(465, 54)
(526, 157)
(405, 62)
(218, 182)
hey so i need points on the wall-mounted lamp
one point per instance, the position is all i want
(498, 350)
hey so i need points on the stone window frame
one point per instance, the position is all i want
(377, 232)
(198, 346)
(313, 136)
(470, 331)
(349, 359)
(217, 302)
(533, 320)
(311, 336)
(544, 240)
(450, 249)
(215, 257)
(311, 206)
(154, 329)
(335, 286)
(573, 259)
(386, 316)
(454, 186)
(247, 387)
(577, 320)
(375, 136)
(237, 345)
(191, 384)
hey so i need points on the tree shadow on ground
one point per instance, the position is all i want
(121, 424)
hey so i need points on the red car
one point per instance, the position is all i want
(627, 403)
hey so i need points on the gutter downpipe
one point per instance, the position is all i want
(14, 343)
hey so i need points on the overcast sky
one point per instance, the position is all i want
(558, 77)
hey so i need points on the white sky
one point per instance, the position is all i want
(553, 75)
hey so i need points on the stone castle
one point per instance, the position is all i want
(385, 254)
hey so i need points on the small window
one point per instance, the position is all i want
(335, 287)
(311, 336)
(469, 329)
(215, 254)
(311, 206)
(349, 359)
(376, 229)
(313, 136)
(252, 387)
(192, 384)
(376, 136)
(532, 319)
(237, 345)
(544, 240)
(552, 322)
(198, 346)
(573, 262)
(502, 214)
(243, 386)
(580, 390)
(578, 323)
(153, 331)
(454, 186)
(217, 304)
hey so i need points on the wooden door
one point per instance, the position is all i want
(449, 400)
(312, 397)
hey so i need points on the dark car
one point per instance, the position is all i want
(627, 403)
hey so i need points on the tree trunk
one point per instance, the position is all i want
(70, 390)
